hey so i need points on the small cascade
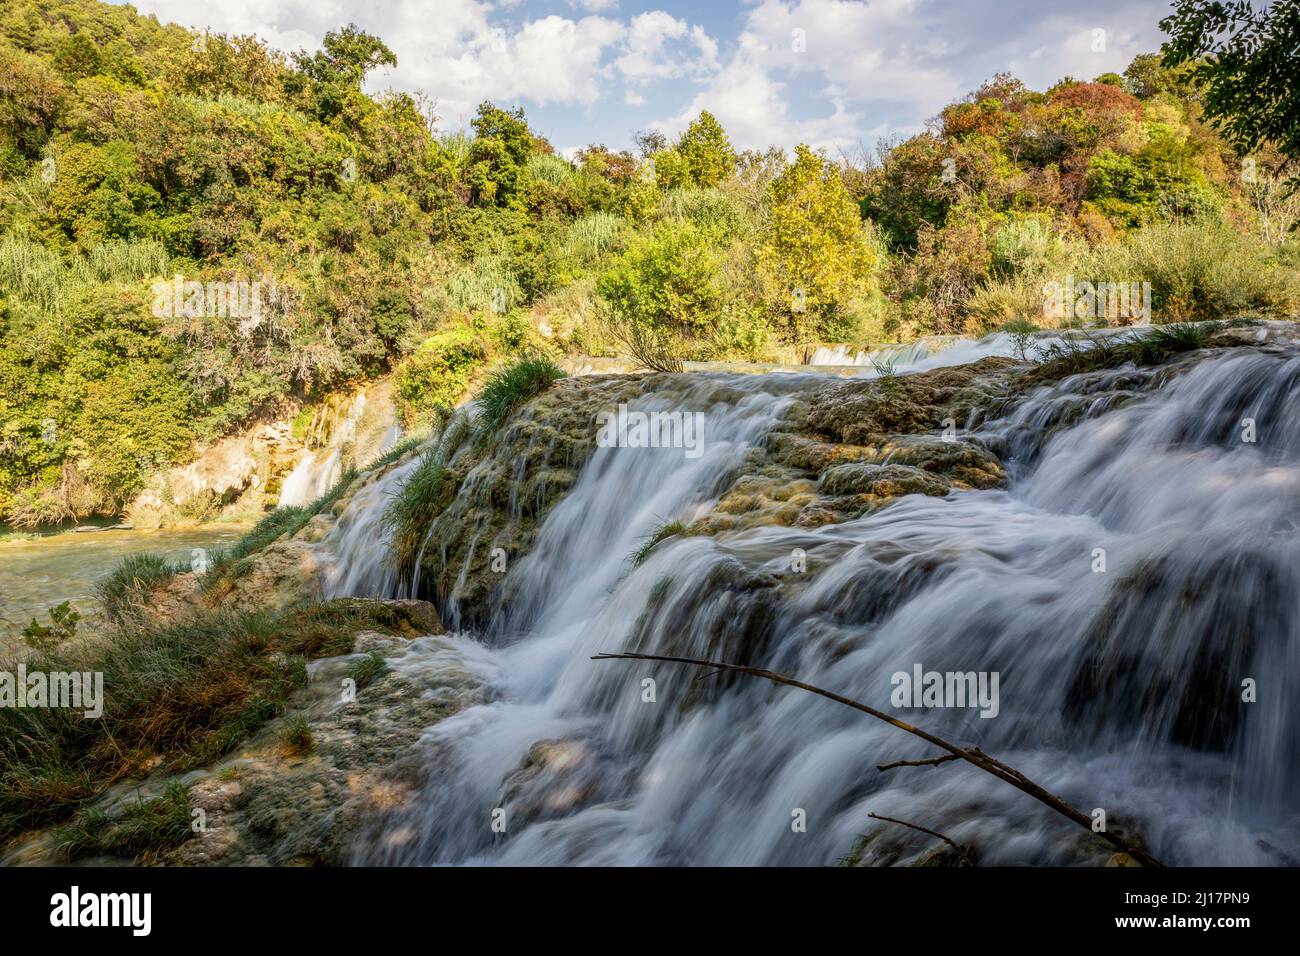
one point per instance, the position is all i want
(365, 430)
(1139, 568)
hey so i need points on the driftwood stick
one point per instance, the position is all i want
(934, 833)
(931, 762)
(972, 755)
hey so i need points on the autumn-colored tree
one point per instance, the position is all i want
(814, 244)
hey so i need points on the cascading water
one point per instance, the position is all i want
(367, 429)
(1120, 689)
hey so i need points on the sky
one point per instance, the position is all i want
(840, 75)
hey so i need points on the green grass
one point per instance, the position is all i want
(411, 511)
(1149, 347)
(126, 589)
(145, 828)
(670, 529)
(177, 695)
(295, 736)
(367, 669)
(511, 386)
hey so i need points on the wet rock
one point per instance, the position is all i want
(887, 481)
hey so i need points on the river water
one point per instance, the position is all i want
(41, 572)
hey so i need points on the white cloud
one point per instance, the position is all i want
(754, 110)
(660, 46)
(632, 98)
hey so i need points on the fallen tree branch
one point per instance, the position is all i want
(972, 755)
(931, 762)
(934, 833)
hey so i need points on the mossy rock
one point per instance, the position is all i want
(881, 481)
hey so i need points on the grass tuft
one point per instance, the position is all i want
(670, 529)
(411, 511)
(513, 385)
(126, 589)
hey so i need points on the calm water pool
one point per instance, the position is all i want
(42, 572)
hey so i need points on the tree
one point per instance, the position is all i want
(1247, 63)
(335, 72)
(814, 245)
(502, 144)
(707, 151)
(702, 156)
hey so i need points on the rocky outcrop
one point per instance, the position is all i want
(300, 452)
(276, 804)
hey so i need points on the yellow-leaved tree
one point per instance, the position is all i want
(814, 246)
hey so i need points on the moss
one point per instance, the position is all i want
(145, 828)
(881, 480)
(183, 694)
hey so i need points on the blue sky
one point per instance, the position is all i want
(839, 74)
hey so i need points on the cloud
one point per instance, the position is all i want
(660, 46)
(754, 109)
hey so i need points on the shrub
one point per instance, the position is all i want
(668, 278)
(1197, 271)
(1000, 302)
(62, 626)
(439, 371)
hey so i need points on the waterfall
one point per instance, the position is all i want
(1141, 564)
(367, 429)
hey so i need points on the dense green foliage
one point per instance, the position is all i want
(1245, 59)
(154, 183)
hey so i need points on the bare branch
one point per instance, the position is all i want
(934, 833)
(931, 762)
(971, 755)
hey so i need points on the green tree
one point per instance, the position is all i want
(333, 75)
(814, 245)
(1247, 61)
(702, 156)
(502, 144)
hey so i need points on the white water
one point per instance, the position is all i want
(1119, 690)
(316, 472)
